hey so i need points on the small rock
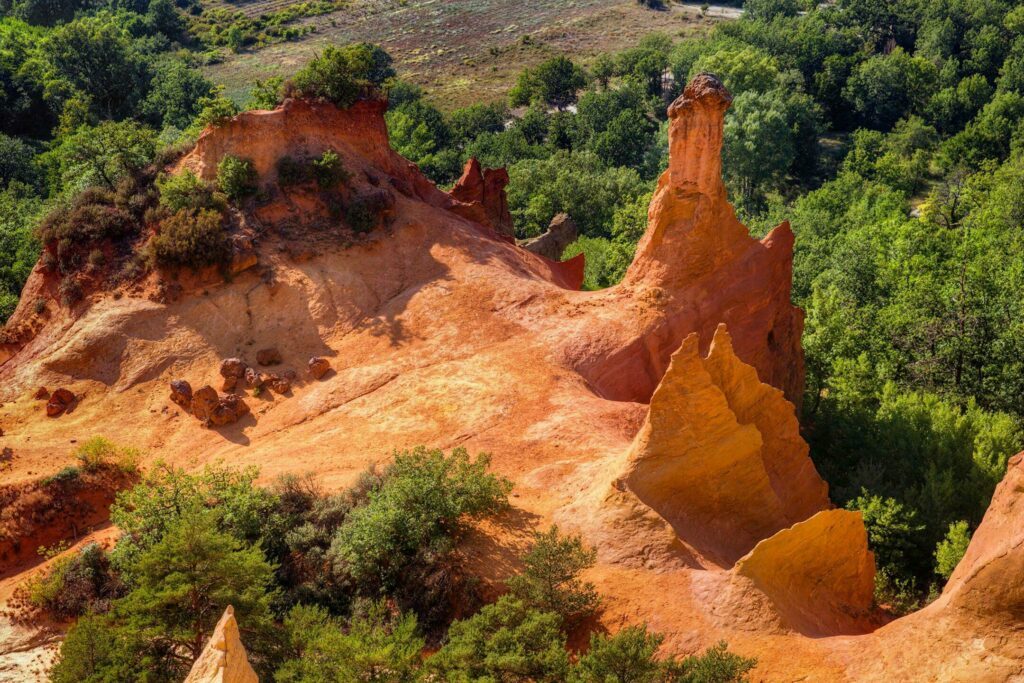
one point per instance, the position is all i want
(319, 366)
(229, 384)
(268, 356)
(232, 367)
(181, 393)
(204, 401)
(42, 393)
(253, 378)
(59, 402)
(279, 384)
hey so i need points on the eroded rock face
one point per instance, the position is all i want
(223, 659)
(482, 192)
(714, 440)
(819, 573)
(699, 266)
(560, 233)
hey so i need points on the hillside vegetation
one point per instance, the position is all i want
(889, 134)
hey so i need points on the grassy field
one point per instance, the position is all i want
(465, 51)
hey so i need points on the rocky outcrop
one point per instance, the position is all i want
(223, 660)
(818, 574)
(720, 456)
(560, 233)
(698, 266)
(480, 196)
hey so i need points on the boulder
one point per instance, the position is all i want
(204, 401)
(181, 393)
(228, 410)
(319, 366)
(232, 367)
(279, 384)
(269, 356)
(59, 402)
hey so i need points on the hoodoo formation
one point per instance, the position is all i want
(655, 418)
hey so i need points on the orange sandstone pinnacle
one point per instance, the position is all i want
(630, 415)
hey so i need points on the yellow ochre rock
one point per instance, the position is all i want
(223, 659)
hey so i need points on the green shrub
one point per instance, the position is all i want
(66, 475)
(506, 641)
(192, 238)
(76, 584)
(627, 657)
(363, 212)
(293, 171)
(951, 549)
(422, 504)
(97, 452)
(328, 170)
(714, 665)
(375, 645)
(343, 74)
(236, 177)
(186, 191)
(145, 512)
(550, 580)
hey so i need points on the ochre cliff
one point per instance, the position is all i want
(626, 415)
(720, 455)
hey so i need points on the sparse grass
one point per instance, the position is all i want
(463, 51)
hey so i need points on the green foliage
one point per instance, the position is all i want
(627, 657)
(343, 74)
(714, 665)
(550, 580)
(98, 451)
(75, 584)
(951, 549)
(236, 177)
(328, 170)
(146, 512)
(374, 645)
(575, 183)
(506, 641)
(185, 191)
(885, 88)
(182, 584)
(100, 155)
(176, 95)
(554, 82)
(420, 508)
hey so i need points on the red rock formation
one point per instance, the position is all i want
(480, 194)
(720, 455)
(699, 266)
